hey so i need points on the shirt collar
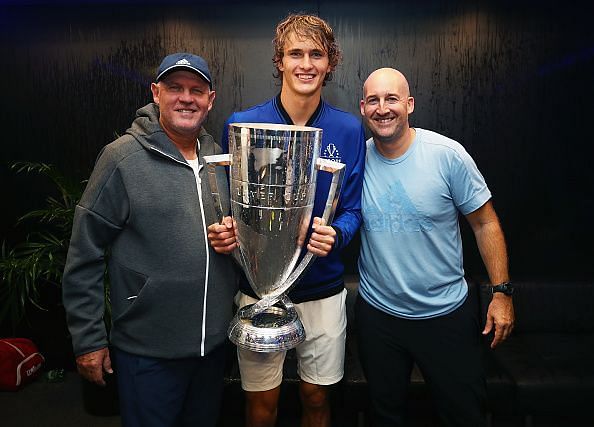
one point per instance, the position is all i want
(287, 118)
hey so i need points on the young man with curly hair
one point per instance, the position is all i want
(305, 55)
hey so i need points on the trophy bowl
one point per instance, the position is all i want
(272, 180)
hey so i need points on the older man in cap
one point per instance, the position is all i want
(171, 294)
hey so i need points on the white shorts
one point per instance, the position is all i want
(320, 358)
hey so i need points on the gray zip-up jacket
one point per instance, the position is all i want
(171, 294)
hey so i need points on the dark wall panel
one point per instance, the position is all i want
(511, 81)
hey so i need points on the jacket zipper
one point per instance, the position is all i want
(202, 341)
(207, 262)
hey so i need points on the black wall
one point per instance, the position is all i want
(512, 81)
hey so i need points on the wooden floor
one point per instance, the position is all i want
(60, 404)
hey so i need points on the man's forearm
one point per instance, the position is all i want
(491, 244)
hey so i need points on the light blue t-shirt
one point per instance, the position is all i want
(411, 248)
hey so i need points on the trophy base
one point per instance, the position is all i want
(274, 329)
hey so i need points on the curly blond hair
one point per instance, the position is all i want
(306, 27)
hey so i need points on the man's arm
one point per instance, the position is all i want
(348, 218)
(491, 243)
(83, 291)
(83, 294)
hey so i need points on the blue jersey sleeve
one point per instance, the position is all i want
(348, 213)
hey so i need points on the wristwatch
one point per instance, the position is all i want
(506, 288)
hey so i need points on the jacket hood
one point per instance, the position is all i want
(147, 130)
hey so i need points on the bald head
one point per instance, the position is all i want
(387, 77)
(385, 107)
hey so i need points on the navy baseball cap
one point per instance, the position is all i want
(184, 61)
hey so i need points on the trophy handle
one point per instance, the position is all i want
(337, 171)
(211, 164)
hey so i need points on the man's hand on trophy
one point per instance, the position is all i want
(322, 238)
(222, 236)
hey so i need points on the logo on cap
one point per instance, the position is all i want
(183, 61)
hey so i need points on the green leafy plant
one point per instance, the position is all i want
(38, 260)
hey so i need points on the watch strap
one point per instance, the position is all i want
(506, 288)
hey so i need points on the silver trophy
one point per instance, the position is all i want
(273, 170)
